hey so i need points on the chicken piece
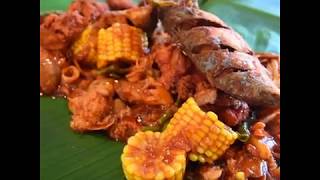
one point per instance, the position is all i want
(130, 120)
(170, 60)
(143, 17)
(148, 115)
(120, 4)
(58, 31)
(90, 111)
(89, 9)
(110, 17)
(140, 17)
(205, 93)
(104, 87)
(141, 70)
(185, 87)
(147, 91)
(221, 54)
(172, 63)
(196, 85)
(124, 128)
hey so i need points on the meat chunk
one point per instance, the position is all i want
(172, 63)
(140, 17)
(57, 31)
(124, 128)
(141, 70)
(197, 86)
(185, 87)
(205, 93)
(90, 111)
(148, 91)
(120, 4)
(110, 17)
(104, 87)
(148, 115)
(130, 120)
(89, 9)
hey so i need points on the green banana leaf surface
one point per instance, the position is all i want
(67, 155)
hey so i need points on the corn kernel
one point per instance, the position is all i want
(207, 122)
(218, 144)
(222, 138)
(240, 176)
(219, 124)
(200, 150)
(212, 115)
(201, 159)
(208, 153)
(193, 157)
(207, 137)
(120, 41)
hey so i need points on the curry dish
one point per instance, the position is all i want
(181, 88)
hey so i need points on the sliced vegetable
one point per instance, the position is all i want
(164, 119)
(243, 132)
(161, 122)
(143, 158)
(113, 68)
(209, 137)
(120, 42)
(155, 155)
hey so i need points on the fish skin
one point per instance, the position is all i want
(221, 54)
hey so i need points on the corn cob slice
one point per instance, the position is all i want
(120, 41)
(208, 136)
(85, 47)
(143, 158)
(154, 155)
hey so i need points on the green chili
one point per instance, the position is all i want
(151, 128)
(178, 102)
(243, 132)
(162, 122)
(113, 68)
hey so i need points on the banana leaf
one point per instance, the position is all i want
(66, 155)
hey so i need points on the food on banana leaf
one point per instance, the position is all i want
(177, 85)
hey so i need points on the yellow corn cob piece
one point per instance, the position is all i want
(120, 41)
(153, 155)
(209, 137)
(85, 46)
(143, 158)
